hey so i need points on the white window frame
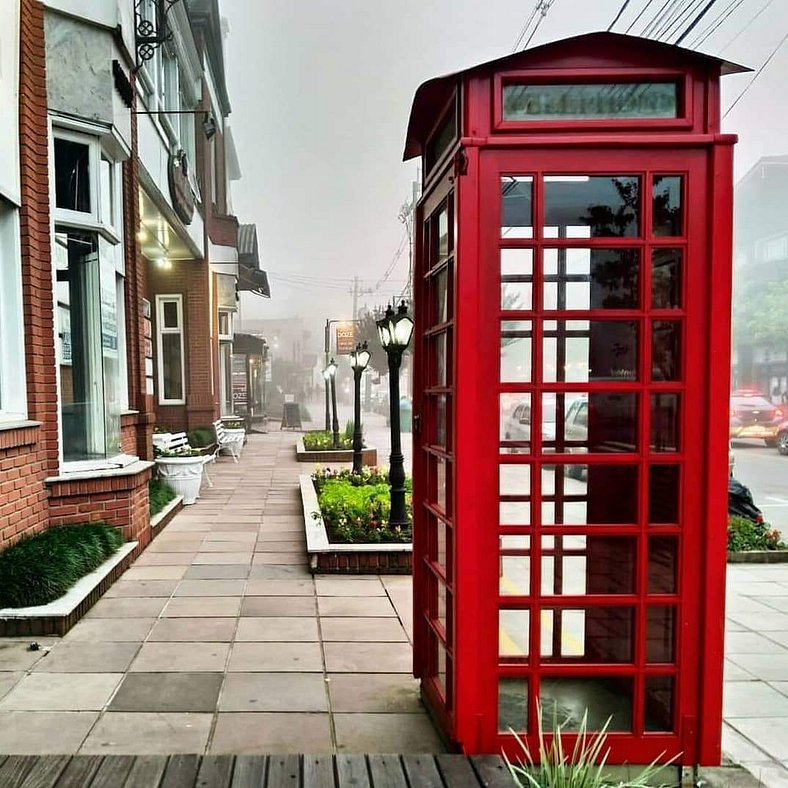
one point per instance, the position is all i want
(176, 298)
(111, 230)
(13, 381)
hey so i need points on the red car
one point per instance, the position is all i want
(753, 416)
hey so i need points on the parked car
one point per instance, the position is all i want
(782, 438)
(753, 416)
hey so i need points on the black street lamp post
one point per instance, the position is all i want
(394, 330)
(327, 379)
(331, 369)
(359, 359)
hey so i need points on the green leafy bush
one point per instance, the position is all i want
(201, 437)
(43, 567)
(744, 534)
(322, 440)
(355, 507)
(159, 495)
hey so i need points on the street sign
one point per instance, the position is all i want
(346, 339)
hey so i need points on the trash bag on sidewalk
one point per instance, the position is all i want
(740, 501)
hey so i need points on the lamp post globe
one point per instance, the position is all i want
(327, 379)
(331, 369)
(359, 359)
(395, 330)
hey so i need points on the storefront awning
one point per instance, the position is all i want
(251, 278)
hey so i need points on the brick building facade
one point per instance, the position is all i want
(128, 167)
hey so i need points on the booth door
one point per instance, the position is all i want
(593, 313)
(433, 493)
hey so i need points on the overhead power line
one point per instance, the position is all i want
(709, 5)
(618, 15)
(541, 9)
(749, 22)
(637, 18)
(712, 27)
(756, 75)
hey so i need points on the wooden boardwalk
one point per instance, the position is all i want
(253, 771)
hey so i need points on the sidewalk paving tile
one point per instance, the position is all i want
(152, 733)
(214, 630)
(278, 606)
(770, 621)
(274, 572)
(200, 606)
(753, 699)
(276, 657)
(366, 607)
(277, 628)
(62, 692)
(750, 643)
(778, 637)
(88, 657)
(376, 630)
(770, 737)
(193, 657)
(378, 733)
(368, 657)
(378, 692)
(206, 587)
(154, 572)
(165, 559)
(278, 733)
(298, 559)
(217, 572)
(8, 680)
(274, 692)
(44, 733)
(294, 587)
(222, 558)
(738, 748)
(770, 667)
(141, 588)
(166, 692)
(15, 655)
(349, 586)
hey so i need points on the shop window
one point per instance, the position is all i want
(89, 296)
(169, 321)
(225, 362)
(13, 401)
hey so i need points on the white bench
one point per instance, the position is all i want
(232, 440)
(179, 442)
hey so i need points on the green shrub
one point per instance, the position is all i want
(159, 495)
(43, 567)
(322, 440)
(355, 507)
(744, 534)
(200, 437)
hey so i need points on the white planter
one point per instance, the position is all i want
(183, 474)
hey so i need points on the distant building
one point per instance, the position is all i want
(760, 262)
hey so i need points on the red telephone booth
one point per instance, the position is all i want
(573, 287)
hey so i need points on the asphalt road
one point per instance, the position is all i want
(765, 472)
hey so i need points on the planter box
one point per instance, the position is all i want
(59, 616)
(183, 474)
(326, 557)
(758, 557)
(329, 456)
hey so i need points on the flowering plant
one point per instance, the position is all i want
(323, 440)
(744, 534)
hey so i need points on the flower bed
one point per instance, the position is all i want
(346, 521)
(754, 543)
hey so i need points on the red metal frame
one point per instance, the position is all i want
(466, 701)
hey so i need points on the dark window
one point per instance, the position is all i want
(72, 175)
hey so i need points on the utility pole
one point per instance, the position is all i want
(356, 293)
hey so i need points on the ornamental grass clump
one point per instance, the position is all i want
(355, 507)
(43, 567)
(581, 766)
(159, 495)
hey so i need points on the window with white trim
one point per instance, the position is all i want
(13, 396)
(225, 362)
(88, 258)
(170, 352)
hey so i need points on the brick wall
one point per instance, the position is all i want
(27, 455)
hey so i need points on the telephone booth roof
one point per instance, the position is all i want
(599, 49)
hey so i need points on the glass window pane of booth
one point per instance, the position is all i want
(569, 698)
(591, 206)
(666, 205)
(517, 206)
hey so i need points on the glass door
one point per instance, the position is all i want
(434, 452)
(594, 397)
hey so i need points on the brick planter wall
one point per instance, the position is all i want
(372, 563)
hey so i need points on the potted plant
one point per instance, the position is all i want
(182, 470)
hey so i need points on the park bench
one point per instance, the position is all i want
(177, 442)
(231, 440)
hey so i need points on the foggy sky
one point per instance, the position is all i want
(321, 92)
